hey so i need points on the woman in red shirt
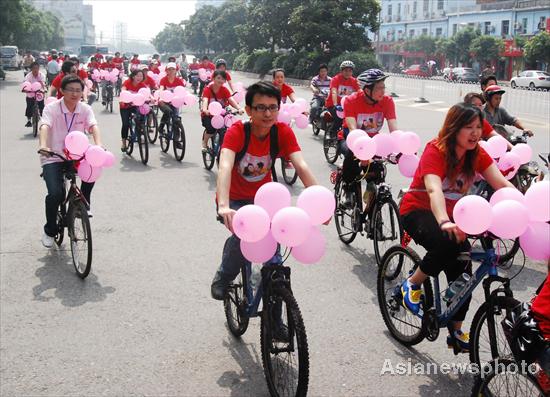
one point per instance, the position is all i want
(168, 82)
(134, 83)
(215, 92)
(446, 171)
(279, 82)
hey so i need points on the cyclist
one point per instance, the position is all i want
(184, 66)
(168, 82)
(156, 58)
(118, 61)
(320, 86)
(68, 67)
(149, 81)
(99, 56)
(52, 69)
(135, 81)
(215, 92)
(221, 64)
(93, 64)
(235, 188)
(28, 59)
(279, 82)
(446, 172)
(341, 85)
(34, 76)
(498, 115)
(209, 67)
(58, 119)
(108, 65)
(134, 62)
(154, 66)
(486, 81)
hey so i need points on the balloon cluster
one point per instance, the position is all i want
(32, 90)
(294, 111)
(272, 219)
(220, 117)
(95, 157)
(205, 75)
(510, 214)
(382, 145)
(112, 76)
(240, 92)
(508, 162)
(157, 76)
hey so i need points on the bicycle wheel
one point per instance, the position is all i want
(142, 141)
(152, 127)
(35, 119)
(130, 142)
(316, 127)
(60, 225)
(179, 141)
(80, 234)
(388, 230)
(235, 305)
(110, 103)
(506, 378)
(289, 172)
(209, 156)
(165, 139)
(330, 147)
(397, 265)
(346, 215)
(485, 334)
(286, 363)
(507, 249)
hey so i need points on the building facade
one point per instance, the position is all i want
(77, 20)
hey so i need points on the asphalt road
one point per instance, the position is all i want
(143, 322)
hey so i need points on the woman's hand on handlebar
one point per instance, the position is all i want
(453, 231)
(227, 215)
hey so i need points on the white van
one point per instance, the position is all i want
(10, 58)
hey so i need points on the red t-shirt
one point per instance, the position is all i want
(132, 88)
(369, 118)
(208, 66)
(227, 75)
(118, 62)
(254, 169)
(155, 69)
(93, 65)
(286, 90)
(487, 129)
(107, 65)
(433, 162)
(221, 96)
(98, 56)
(195, 66)
(82, 74)
(135, 61)
(57, 81)
(541, 308)
(166, 84)
(343, 87)
(149, 81)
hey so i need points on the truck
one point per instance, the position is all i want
(10, 58)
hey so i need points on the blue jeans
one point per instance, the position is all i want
(53, 176)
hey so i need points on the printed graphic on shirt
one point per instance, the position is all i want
(370, 123)
(253, 168)
(344, 90)
(457, 191)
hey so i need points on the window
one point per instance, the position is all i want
(529, 74)
(440, 4)
(389, 10)
(411, 33)
(414, 7)
(542, 23)
(505, 30)
(438, 32)
(399, 9)
(425, 31)
(426, 5)
(406, 9)
(524, 26)
(487, 29)
(454, 28)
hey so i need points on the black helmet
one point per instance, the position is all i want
(220, 62)
(370, 77)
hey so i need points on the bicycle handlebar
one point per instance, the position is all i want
(54, 154)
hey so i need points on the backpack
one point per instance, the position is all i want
(273, 144)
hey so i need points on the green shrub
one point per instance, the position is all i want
(239, 63)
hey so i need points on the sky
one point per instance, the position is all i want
(145, 18)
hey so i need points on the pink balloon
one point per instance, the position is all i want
(284, 117)
(251, 223)
(294, 110)
(138, 99)
(272, 197)
(353, 136)
(76, 142)
(291, 226)
(104, 73)
(36, 86)
(496, 146)
(384, 144)
(259, 251)
(524, 152)
(215, 108)
(509, 162)
(408, 163)
(190, 100)
(144, 109)
(409, 143)
(109, 159)
(178, 101)
(150, 73)
(166, 96)
(179, 90)
(88, 173)
(95, 156)
(301, 104)
(145, 91)
(484, 145)
(126, 96)
(535, 242)
(50, 100)
(318, 202)
(311, 250)
(507, 193)
(302, 121)
(364, 148)
(510, 219)
(26, 86)
(217, 122)
(396, 135)
(39, 96)
(228, 120)
(537, 200)
(473, 214)
(238, 97)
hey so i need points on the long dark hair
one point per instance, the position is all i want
(457, 117)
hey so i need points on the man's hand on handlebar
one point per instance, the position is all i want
(45, 151)
(529, 133)
(226, 214)
(454, 232)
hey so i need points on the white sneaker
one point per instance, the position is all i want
(90, 214)
(47, 241)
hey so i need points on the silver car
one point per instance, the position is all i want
(532, 79)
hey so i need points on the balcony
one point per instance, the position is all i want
(533, 3)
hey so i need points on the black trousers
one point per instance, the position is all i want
(30, 105)
(442, 251)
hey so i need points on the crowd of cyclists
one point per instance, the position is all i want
(446, 172)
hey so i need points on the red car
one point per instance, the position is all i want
(417, 70)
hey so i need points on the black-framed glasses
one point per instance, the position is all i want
(264, 108)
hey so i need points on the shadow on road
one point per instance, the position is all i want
(133, 164)
(211, 178)
(249, 381)
(58, 275)
(168, 161)
(28, 137)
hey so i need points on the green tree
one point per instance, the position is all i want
(343, 26)
(537, 49)
(423, 43)
(232, 14)
(170, 39)
(462, 41)
(447, 48)
(199, 29)
(486, 48)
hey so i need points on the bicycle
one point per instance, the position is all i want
(487, 340)
(285, 359)
(137, 134)
(118, 85)
(321, 122)
(73, 215)
(174, 132)
(214, 145)
(379, 218)
(290, 176)
(152, 124)
(38, 96)
(108, 97)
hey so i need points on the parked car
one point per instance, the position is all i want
(531, 78)
(417, 70)
(464, 75)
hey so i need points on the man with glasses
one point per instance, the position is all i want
(249, 149)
